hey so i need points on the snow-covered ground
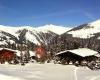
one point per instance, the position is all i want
(35, 71)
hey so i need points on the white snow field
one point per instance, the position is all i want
(35, 71)
(94, 27)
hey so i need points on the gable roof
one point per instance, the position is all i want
(17, 52)
(7, 49)
(81, 52)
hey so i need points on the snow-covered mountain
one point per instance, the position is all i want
(83, 36)
(24, 34)
(56, 29)
(86, 30)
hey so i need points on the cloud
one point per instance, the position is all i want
(64, 13)
(52, 14)
(89, 15)
(59, 13)
(85, 13)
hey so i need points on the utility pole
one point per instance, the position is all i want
(21, 55)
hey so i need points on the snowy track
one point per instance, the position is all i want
(46, 72)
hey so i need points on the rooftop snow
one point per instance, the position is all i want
(81, 52)
(32, 53)
(8, 49)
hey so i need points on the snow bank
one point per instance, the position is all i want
(6, 77)
(36, 72)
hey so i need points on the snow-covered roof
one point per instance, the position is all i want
(8, 49)
(81, 52)
(32, 53)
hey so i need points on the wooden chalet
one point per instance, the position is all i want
(6, 55)
(77, 55)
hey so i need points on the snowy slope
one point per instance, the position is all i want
(46, 72)
(95, 24)
(31, 38)
(86, 31)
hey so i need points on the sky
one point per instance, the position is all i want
(42, 12)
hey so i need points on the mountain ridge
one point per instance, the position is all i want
(86, 30)
(33, 35)
(54, 38)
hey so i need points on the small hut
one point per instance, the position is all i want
(6, 55)
(77, 55)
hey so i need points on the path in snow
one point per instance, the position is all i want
(84, 73)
